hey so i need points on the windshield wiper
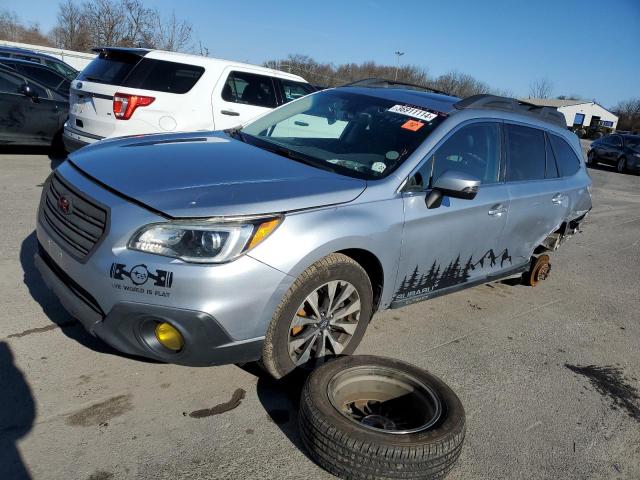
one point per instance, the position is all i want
(236, 133)
(299, 157)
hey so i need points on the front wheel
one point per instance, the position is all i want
(622, 165)
(591, 159)
(324, 314)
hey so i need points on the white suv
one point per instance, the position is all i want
(129, 91)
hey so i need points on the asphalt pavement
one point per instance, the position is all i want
(548, 375)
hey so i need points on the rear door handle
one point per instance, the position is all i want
(557, 199)
(230, 112)
(497, 210)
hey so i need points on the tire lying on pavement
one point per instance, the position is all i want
(366, 417)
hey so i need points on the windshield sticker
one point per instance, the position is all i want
(413, 125)
(378, 167)
(413, 112)
(391, 155)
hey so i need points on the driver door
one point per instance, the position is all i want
(460, 241)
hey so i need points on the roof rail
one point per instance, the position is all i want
(384, 83)
(494, 102)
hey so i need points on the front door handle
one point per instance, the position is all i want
(497, 210)
(557, 199)
(230, 113)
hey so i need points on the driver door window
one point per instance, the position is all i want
(474, 150)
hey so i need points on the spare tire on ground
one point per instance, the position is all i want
(367, 417)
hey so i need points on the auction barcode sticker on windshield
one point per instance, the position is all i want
(413, 112)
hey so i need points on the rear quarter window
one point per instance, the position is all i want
(525, 152)
(109, 67)
(568, 162)
(163, 76)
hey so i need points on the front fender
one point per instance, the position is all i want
(306, 237)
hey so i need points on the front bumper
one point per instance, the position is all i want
(221, 310)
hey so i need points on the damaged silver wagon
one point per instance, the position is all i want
(280, 239)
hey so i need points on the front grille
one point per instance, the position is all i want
(82, 226)
(72, 285)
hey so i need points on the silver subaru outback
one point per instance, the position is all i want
(280, 239)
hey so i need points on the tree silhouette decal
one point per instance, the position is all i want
(416, 284)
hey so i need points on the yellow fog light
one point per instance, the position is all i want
(169, 336)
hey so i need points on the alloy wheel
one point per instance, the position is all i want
(325, 322)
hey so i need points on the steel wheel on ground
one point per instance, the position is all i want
(365, 417)
(324, 314)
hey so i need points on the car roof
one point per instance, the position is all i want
(25, 51)
(434, 101)
(25, 62)
(199, 60)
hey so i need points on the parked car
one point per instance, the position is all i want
(620, 150)
(41, 73)
(280, 239)
(133, 91)
(30, 113)
(52, 62)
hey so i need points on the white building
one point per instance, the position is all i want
(77, 60)
(579, 112)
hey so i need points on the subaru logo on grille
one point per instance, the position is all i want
(64, 205)
(79, 85)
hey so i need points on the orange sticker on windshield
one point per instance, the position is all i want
(413, 125)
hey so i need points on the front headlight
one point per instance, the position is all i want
(203, 241)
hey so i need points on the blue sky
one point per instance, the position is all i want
(590, 48)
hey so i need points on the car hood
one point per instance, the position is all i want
(209, 174)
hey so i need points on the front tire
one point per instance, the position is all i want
(325, 313)
(622, 165)
(366, 417)
(592, 159)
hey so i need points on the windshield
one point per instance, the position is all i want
(633, 142)
(353, 134)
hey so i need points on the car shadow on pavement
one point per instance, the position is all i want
(17, 415)
(56, 157)
(53, 309)
(281, 400)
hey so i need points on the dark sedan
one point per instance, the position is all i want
(31, 56)
(41, 73)
(620, 150)
(30, 113)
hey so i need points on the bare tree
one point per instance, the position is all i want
(628, 113)
(72, 29)
(172, 34)
(540, 88)
(460, 84)
(13, 30)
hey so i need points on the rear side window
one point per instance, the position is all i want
(61, 68)
(525, 152)
(163, 76)
(293, 90)
(552, 168)
(43, 75)
(568, 162)
(109, 67)
(250, 89)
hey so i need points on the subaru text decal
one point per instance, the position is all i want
(141, 279)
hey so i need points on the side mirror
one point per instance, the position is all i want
(27, 91)
(452, 184)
